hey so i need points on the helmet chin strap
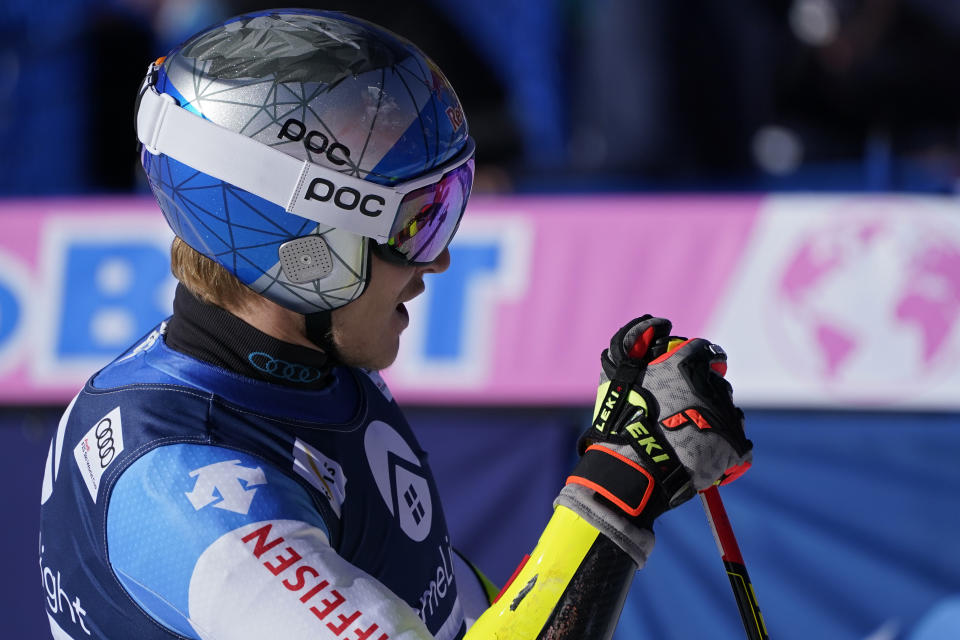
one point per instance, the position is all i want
(318, 325)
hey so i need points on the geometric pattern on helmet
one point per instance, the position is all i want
(243, 232)
(353, 83)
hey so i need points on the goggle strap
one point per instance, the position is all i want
(302, 188)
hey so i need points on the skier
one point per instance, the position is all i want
(243, 471)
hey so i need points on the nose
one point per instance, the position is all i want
(441, 264)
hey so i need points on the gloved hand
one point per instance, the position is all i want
(664, 427)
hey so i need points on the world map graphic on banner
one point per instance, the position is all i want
(869, 288)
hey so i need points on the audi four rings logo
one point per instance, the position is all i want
(105, 443)
(292, 371)
(106, 437)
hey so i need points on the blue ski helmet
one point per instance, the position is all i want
(285, 144)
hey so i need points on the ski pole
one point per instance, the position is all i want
(733, 562)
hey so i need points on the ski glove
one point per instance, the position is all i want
(664, 427)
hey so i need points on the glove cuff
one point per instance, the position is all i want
(620, 481)
(635, 541)
(621, 497)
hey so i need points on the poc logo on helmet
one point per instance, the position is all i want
(324, 190)
(345, 198)
(314, 141)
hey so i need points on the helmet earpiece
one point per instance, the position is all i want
(305, 259)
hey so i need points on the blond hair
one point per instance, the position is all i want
(207, 280)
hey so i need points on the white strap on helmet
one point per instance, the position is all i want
(301, 187)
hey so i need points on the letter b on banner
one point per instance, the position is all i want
(113, 293)
(9, 314)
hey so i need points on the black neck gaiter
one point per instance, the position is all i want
(209, 333)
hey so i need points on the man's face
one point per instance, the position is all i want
(367, 331)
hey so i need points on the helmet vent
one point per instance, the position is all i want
(305, 259)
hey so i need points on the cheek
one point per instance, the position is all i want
(388, 280)
(363, 323)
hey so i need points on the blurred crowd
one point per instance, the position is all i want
(560, 94)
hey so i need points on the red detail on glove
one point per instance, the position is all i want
(694, 415)
(675, 421)
(670, 352)
(516, 572)
(606, 493)
(735, 472)
(641, 344)
(719, 367)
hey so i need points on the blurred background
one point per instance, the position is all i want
(779, 175)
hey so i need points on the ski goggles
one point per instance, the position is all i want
(411, 222)
(428, 216)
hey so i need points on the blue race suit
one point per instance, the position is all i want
(182, 500)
